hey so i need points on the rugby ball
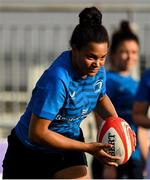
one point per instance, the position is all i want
(116, 131)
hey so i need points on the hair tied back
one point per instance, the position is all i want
(125, 27)
(90, 17)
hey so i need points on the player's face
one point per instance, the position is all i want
(126, 55)
(89, 59)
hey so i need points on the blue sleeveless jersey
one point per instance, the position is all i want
(62, 96)
(122, 90)
(143, 92)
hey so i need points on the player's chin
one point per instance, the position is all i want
(92, 73)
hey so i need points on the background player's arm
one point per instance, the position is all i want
(140, 114)
(144, 145)
(40, 134)
(105, 108)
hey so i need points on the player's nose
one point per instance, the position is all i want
(96, 63)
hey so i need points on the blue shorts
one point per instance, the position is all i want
(21, 162)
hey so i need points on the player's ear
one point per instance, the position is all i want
(75, 51)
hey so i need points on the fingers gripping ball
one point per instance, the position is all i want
(117, 132)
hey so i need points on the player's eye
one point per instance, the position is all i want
(90, 57)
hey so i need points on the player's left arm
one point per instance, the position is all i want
(105, 108)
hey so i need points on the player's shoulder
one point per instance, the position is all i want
(61, 66)
(58, 72)
(111, 75)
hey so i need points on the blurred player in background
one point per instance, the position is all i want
(141, 107)
(48, 142)
(121, 88)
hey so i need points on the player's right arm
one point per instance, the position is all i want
(40, 134)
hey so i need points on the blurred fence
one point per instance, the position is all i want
(25, 52)
(31, 38)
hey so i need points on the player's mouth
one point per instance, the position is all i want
(94, 70)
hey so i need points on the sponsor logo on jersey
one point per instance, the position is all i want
(62, 118)
(84, 111)
(98, 86)
(73, 94)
